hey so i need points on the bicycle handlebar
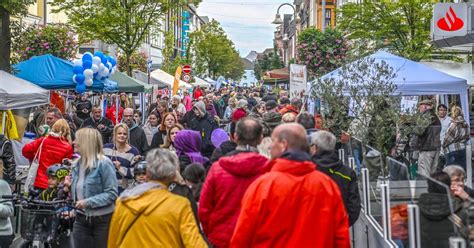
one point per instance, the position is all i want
(23, 199)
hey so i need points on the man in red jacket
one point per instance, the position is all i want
(227, 181)
(293, 205)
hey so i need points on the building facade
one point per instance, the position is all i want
(310, 13)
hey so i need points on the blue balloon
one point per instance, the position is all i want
(104, 60)
(99, 54)
(80, 88)
(87, 64)
(80, 78)
(113, 61)
(86, 57)
(78, 69)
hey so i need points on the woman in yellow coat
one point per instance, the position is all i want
(151, 216)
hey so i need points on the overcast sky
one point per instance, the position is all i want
(246, 22)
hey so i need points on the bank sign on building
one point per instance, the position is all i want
(452, 26)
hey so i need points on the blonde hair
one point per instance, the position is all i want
(89, 141)
(61, 127)
(120, 125)
(288, 117)
(456, 111)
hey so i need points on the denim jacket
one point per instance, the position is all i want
(100, 187)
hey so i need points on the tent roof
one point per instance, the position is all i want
(283, 73)
(167, 79)
(50, 72)
(201, 82)
(16, 93)
(126, 83)
(415, 78)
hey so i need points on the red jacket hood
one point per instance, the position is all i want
(244, 164)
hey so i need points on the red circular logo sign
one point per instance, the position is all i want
(450, 22)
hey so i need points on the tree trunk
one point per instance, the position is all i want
(127, 63)
(5, 40)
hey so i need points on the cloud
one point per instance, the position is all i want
(246, 22)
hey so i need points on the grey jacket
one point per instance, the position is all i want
(100, 187)
(6, 210)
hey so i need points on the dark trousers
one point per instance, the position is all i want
(6, 241)
(457, 158)
(93, 231)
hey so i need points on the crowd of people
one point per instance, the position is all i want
(228, 168)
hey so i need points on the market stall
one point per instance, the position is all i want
(416, 79)
(16, 93)
(129, 84)
(50, 72)
(164, 78)
(201, 83)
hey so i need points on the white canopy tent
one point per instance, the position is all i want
(201, 83)
(16, 93)
(164, 78)
(416, 79)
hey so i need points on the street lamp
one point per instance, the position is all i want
(279, 21)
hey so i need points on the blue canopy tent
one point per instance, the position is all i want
(416, 79)
(50, 72)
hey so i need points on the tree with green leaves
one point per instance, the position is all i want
(362, 99)
(401, 26)
(9, 8)
(268, 62)
(124, 23)
(171, 61)
(214, 53)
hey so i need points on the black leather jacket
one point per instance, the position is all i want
(8, 159)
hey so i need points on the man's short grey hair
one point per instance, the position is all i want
(162, 165)
(454, 170)
(324, 140)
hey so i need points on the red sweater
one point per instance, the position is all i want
(53, 152)
(293, 205)
(225, 185)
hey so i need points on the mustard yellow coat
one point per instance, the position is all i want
(156, 218)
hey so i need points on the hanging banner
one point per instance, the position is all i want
(177, 78)
(298, 80)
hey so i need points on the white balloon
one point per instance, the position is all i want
(104, 72)
(109, 65)
(96, 60)
(101, 67)
(88, 73)
(74, 79)
(89, 82)
(78, 62)
(95, 68)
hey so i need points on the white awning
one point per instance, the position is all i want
(201, 83)
(16, 93)
(167, 79)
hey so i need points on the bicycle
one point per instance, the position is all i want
(42, 225)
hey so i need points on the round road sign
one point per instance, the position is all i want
(187, 69)
(186, 78)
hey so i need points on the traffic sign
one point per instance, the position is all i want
(186, 69)
(186, 78)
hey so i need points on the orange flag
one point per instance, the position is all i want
(177, 78)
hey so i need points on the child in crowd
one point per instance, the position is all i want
(56, 190)
(139, 173)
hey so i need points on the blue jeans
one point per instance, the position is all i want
(357, 153)
(457, 158)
